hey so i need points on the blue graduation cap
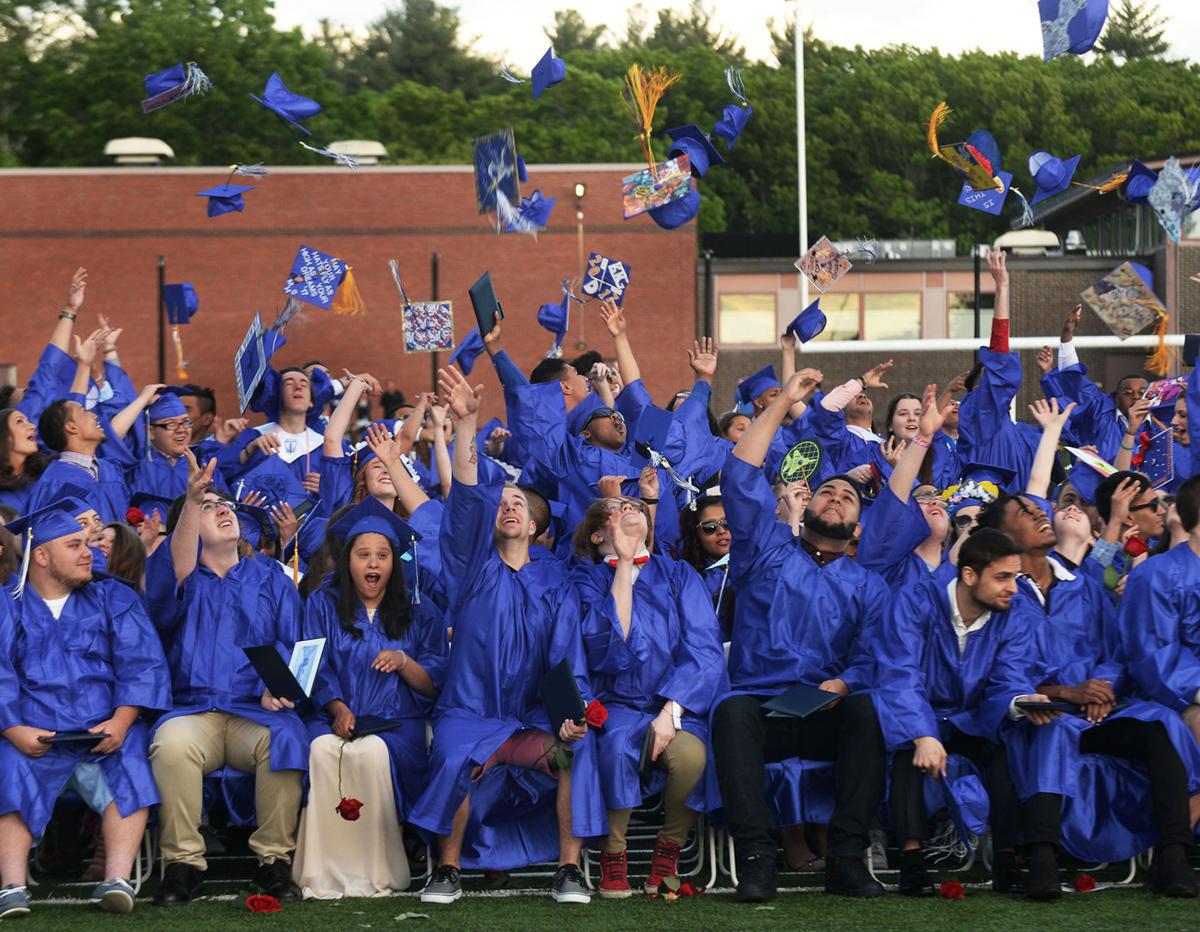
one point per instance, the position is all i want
(653, 425)
(692, 141)
(532, 214)
(225, 198)
(556, 318)
(1154, 453)
(487, 307)
(677, 212)
(809, 323)
(255, 524)
(733, 121)
(150, 504)
(966, 799)
(468, 351)
(1000, 476)
(315, 277)
(754, 385)
(1139, 182)
(1070, 26)
(370, 516)
(249, 363)
(522, 171)
(175, 83)
(1051, 174)
(168, 405)
(45, 525)
(180, 302)
(547, 72)
(292, 108)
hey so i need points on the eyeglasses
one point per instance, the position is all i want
(174, 427)
(965, 521)
(604, 412)
(711, 527)
(617, 505)
(210, 505)
(1154, 505)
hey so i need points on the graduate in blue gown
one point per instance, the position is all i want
(1076, 772)
(162, 468)
(655, 660)
(705, 547)
(76, 435)
(806, 614)
(21, 463)
(987, 432)
(77, 654)
(505, 637)
(385, 653)
(208, 604)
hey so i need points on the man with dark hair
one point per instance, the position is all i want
(76, 434)
(201, 405)
(1145, 511)
(1077, 660)
(805, 614)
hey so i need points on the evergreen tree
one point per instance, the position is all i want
(1134, 32)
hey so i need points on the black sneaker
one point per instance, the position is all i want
(275, 879)
(1007, 876)
(1042, 882)
(181, 884)
(1171, 874)
(914, 875)
(756, 878)
(444, 886)
(850, 877)
(569, 886)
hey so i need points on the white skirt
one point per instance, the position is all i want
(336, 858)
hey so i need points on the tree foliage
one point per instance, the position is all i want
(1134, 32)
(71, 78)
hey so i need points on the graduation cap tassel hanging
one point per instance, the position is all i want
(508, 76)
(26, 554)
(1026, 218)
(348, 160)
(643, 90)
(936, 119)
(181, 371)
(1159, 362)
(733, 77)
(347, 301)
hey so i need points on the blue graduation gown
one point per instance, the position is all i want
(157, 475)
(17, 499)
(205, 623)
(50, 381)
(986, 433)
(506, 637)
(109, 496)
(69, 674)
(345, 673)
(891, 531)
(1095, 420)
(673, 652)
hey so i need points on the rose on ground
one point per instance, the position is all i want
(261, 903)
(1085, 883)
(952, 890)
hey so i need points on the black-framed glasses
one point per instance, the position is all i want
(172, 427)
(713, 525)
(1154, 505)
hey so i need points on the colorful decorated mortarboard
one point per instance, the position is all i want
(290, 107)
(809, 323)
(980, 484)
(1175, 194)
(322, 280)
(647, 188)
(486, 305)
(175, 83)
(1070, 26)
(755, 384)
(470, 349)
(428, 326)
(180, 303)
(990, 201)
(801, 462)
(225, 198)
(249, 363)
(606, 278)
(547, 72)
(824, 264)
(1123, 299)
(676, 213)
(735, 116)
(1051, 174)
(496, 172)
(964, 157)
(1154, 452)
(1087, 473)
(692, 141)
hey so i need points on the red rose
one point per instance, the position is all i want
(1085, 883)
(1135, 546)
(261, 903)
(134, 517)
(686, 889)
(348, 809)
(595, 714)
(952, 890)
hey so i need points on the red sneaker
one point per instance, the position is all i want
(614, 876)
(665, 863)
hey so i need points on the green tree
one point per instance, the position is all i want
(678, 31)
(571, 33)
(1134, 32)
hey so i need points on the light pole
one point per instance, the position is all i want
(580, 193)
(801, 169)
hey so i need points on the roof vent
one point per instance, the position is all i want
(364, 151)
(138, 150)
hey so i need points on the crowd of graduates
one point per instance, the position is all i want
(807, 631)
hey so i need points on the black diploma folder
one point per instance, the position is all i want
(275, 673)
(560, 696)
(74, 737)
(799, 702)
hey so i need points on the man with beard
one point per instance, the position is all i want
(805, 615)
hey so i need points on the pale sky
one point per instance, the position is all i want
(513, 30)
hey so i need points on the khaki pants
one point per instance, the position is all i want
(683, 760)
(190, 746)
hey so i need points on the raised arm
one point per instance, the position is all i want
(65, 325)
(122, 422)
(411, 431)
(385, 447)
(85, 354)
(1138, 412)
(997, 260)
(185, 539)
(756, 441)
(339, 421)
(904, 475)
(464, 406)
(441, 452)
(1051, 420)
(614, 320)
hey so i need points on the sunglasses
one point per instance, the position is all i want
(1154, 505)
(965, 521)
(714, 525)
(601, 413)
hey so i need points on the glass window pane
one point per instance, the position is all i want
(1191, 226)
(892, 316)
(841, 312)
(961, 306)
(747, 318)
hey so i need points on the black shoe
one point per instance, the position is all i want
(1042, 882)
(850, 877)
(275, 879)
(181, 883)
(1007, 876)
(756, 878)
(1171, 874)
(914, 876)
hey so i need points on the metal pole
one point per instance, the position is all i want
(975, 251)
(709, 322)
(801, 154)
(433, 296)
(162, 321)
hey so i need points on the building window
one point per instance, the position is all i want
(747, 319)
(842, 313)
(892, 316)
(1191, 226)
(961, 308)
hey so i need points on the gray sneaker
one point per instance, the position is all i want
(569, 885)
(444, 886)
(877, 853)
(114, 896)
(14, 901)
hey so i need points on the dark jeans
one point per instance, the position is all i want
(745, 740)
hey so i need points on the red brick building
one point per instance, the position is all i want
(117, 222)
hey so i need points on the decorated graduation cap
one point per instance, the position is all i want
(1176, 193)
(470, 349)
(486, 305)
(322, 280)
(181, 304)
(290, 107)
(225, 198)
(755, 384)
(1070, 26)
(966, 158)
(1087, 473)
(676, 213)
(249, 363)
(1154, 452)
(547, 72)
(1124, 299)
(45, 525)
(735, 116)
(175, 83)
(692, 141)
(809, 323)
(1051, 174)
(981, 484)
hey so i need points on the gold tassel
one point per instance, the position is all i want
(1159, 362)
(643, 90)
(939, 116)
(180, 366)
(1108, 187)
(347, 300)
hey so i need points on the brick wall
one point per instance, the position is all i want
(117, 222)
